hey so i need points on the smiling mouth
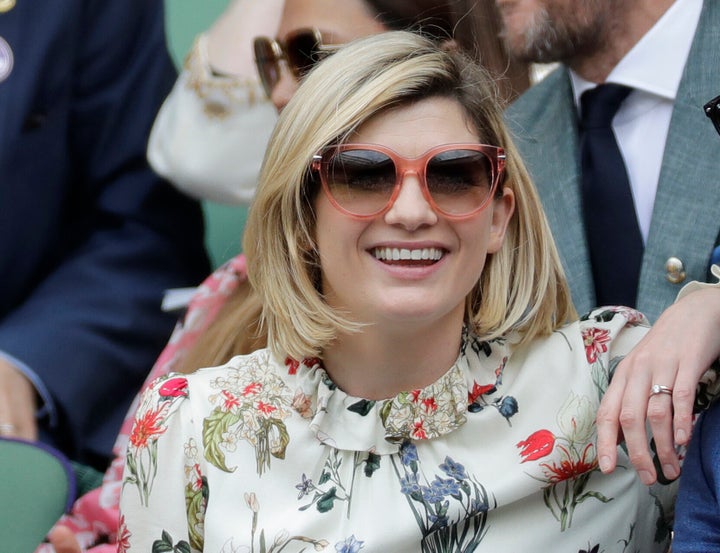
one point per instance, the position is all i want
(403, 256)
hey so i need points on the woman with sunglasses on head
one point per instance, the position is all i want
(211, 132)
(306, 25)
(214, 125)
(423, 388)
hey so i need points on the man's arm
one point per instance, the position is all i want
(92, 327)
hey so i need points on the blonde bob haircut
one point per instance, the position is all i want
(522, 287)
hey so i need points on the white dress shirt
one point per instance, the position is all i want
(654, 68)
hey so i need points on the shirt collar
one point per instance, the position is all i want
(656, 63)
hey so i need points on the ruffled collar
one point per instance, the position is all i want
(355, 424)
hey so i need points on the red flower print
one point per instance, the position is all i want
(633, 316)
(146, 427)
(230, 400)
(538, 445)
(252, 389)
(430, 404)
(123, 536)
(570, 468)
(175, 387)
(419, 430)
(478, 390)
(197, 478)
(415, 396)
(595, 341)
(292, 365)
(302, 404)
(265, 408)
(311, 362)
(501, 368)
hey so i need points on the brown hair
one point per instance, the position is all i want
(474, 25)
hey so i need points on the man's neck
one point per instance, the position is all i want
(623, 32)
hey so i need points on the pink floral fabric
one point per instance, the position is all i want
(95, 516)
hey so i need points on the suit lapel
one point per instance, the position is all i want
(686, 214)
(549, 146)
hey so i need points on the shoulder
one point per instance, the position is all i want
(618, 329)
(598, 340)
(533, 103)
(258, 364)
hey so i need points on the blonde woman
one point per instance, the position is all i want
(424, 387)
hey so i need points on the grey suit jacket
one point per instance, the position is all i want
(686, 214)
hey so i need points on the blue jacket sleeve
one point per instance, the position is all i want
(89, 237)
(697, 510)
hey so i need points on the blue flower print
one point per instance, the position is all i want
(408, 453)
(453, 469)
(409, 485)
(443, 506)
(508, 407)
(304, 487)
(446, 486)
(432, 494)
(350, 545)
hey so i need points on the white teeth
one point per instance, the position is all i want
(396, 254)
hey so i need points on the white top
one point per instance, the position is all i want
(654, 67)
(267, 454)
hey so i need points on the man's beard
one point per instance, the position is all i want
(560, 39)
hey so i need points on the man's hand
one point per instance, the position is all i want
(676, 352)
(18, 404)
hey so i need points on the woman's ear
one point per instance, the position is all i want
(503, 209)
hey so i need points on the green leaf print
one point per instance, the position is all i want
(327, 501)
(165, 545)
(195, 506)
(362, 407)
(283, 439)
(214, 427)
(385, 411)
(372, 463)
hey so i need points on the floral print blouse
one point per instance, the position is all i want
(266, 454)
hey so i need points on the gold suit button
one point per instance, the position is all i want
(675, 270)
(6, 59)
(6, 5)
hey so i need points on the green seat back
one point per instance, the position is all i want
(37, 486)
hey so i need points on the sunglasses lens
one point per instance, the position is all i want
(360, 181)
(363, 181)
(267, 63)
(459, 181)
(303, 52)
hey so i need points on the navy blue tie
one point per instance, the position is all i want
(611, 226)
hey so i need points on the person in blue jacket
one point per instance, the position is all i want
(90, 237)
(697, 511)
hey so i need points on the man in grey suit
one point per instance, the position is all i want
(668, 52)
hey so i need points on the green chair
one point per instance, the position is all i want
(37, 485)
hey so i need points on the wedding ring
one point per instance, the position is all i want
(6, 428)
(660, 389)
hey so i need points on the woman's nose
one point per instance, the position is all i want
(285, 88)
(411, 209)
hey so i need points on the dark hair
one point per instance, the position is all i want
(473, 24)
